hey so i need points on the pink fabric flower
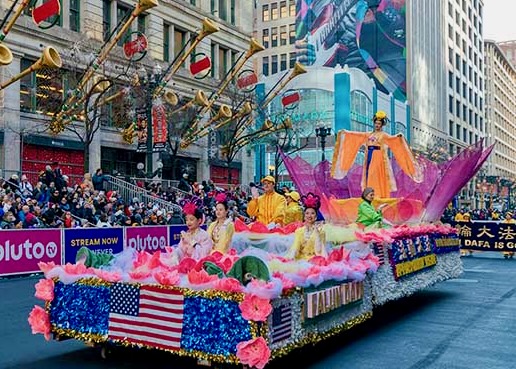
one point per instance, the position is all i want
(108, 276)
(255, 353)
(167, 278)
(142, 258)
(40, 322)
(319, 260)
(46, 267)
(140, 274)
(200, 277)
(229, 285)
(45, 289)
(186, 265)
(255, 308)
(75, 269)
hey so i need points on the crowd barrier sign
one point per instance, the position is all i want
(21, 250)
(487, 236)
(99, 240)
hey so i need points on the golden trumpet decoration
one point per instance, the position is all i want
(6, 56)
(49, 59)
(298, 70)
(170, 98)
(199, 99)
(73, 101)
(128, 134)
(208, 27)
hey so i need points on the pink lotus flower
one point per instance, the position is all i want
(336, 254)
(40, 321)
(75, 269)
(200, 277)
(155, 261)
(45, 289)
(108, 276)
(140, 274)
(46, 267)
(186, 265)
(255, 353)
(255, 308)
(229, 285)
(167, 278)
(142, 258)
(318, 260)
(217, 255)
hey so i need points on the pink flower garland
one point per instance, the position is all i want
(39, 321)
(45, 289)
(254, 353)
(255, 309)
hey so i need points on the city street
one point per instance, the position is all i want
(464, 323)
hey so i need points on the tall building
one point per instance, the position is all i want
(509, 49)
(500, 93)
(26, 147)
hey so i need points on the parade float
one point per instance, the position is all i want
(254, 305)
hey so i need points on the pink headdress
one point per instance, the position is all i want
(191, 206)
(220, 197)
(311, 200)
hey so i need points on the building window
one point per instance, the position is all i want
(450, 104)
(142, 20)
(265, 38)
(274, 11)
(361, 112)
(193, 2)
(265, 66)
(179, 42)
(106, 19)
(265, 13)
(166, 42)
(457, 84)
(292, 8)
(450, 80)
(213, 50)
(232, 15)
(292, 60)
(457, 133)
(292, 34)
(464, 134)
(223, 10)
(450, 131)
(450, 55)
(274, 36)
(223, 62)
(457, 109)
(38, 90)
(75, 11)
(283, 35)
(274, 64)
(283, 9)
(121, 12)
(283, 62)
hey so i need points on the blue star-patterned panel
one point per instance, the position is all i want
(124, 299)
(213, 326)
(81, 308)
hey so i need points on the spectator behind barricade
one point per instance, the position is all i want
(9, 221)
(174, 217)
(103, 222)
(459, 217)
(48, 176)
(508, 220)
(87, 183)
(184, 185)
(13, 184)
(59, 179)
(98, 180)
(25, 187)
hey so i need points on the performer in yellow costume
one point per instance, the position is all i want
(508, 220)
(377, 172)
(310, 239)
(222, 229)
(294, 212)
(268, 208)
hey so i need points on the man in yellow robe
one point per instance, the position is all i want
(269, 207)
(377, 172)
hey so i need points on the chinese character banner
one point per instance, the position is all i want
(487, 236)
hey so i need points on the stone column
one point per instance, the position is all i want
(10, 118)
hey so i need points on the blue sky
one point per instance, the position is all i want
(499, 20)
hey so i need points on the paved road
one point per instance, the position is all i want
(464, 323)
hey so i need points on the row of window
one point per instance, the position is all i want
(467, 136)
(270, 36)
(467, 71)
(467, 93)
(70, 9)
(274, 11)
(274, 63)
(471, 118)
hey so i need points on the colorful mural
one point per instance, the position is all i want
(366, 34)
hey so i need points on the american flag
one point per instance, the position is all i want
(281, 323)
(380, 252)
(146, 315)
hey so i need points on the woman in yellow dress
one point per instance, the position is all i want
(294, 212)
(377, 172)
(309, 240)
(222, 229)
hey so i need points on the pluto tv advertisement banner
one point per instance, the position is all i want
(365, 34)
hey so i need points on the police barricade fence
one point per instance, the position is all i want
(21, 250)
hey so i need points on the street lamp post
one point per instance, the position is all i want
(322, 133)
(149, 81)
(271, 170)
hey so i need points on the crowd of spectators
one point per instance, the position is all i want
(466, 214)
(53, 202)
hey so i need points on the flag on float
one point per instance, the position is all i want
(379, 251)
(281, 323)
(146, 315)
(200, 66)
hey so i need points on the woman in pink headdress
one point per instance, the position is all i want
(195, 243)
(222, 229)
(309, 240)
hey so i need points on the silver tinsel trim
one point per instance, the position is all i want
(385, 288)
